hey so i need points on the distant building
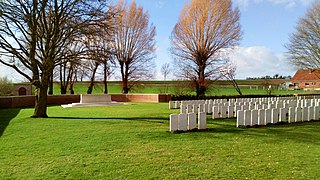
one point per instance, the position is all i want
(22, 89)
(307, 79)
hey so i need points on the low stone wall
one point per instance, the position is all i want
(140, 97)
(25, 101)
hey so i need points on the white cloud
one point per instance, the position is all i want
(258, 61)
(12, 75)
(159, 4)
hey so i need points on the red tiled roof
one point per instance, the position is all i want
(307, 75)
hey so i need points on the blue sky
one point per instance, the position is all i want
(266, 25)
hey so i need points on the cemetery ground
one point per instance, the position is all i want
(132, 141)
(218, 88)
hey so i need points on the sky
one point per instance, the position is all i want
(266, 26)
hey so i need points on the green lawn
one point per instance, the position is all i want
(160, 87)
(133, 142)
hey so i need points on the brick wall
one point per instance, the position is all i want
(25, 101)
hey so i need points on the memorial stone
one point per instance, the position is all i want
(192, 121)
(174, 122)
(183, 123)
(268, 116)
(247, 117)
(262, 117)
(275, 116)
(292, 115)
(202, 121)
(254, 117)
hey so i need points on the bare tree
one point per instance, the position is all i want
(204, 34)
(304, 46)
(134, 44)
(33, 34)
(99, 44)
(229, 73)
(165, 70)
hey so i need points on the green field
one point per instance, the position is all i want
(133, 142)
(219, 88)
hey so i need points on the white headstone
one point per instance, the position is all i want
(206, 108)
(230, 112)
(173, 122)
(236, 109)
(240, 118)
(177, 104)
(183, 123)
(215, 112)
(189, 108)
(305, 114)
(171, 105)
(183, 109)
(262, 117)
(275, 116)
(298, 116)
(247, 117)
(292, 114)
(192, 121)
(223, 112)
(311, 113)
(195, 108)
(254, 117)
(201, 108)
(209, 108)
(268, 116)
(202, 120)
(316, 113)
(283, 115)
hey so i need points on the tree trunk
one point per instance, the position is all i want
(125, 89)
(105, 90)
(236, 86)
(63, 89)
(105, 78)
(51, 85)
(201, 87)
(40, 109)
(201, 90)
(90, 88)
(71, 88)
(124, 76)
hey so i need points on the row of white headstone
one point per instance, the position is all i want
(230, 110)
(249, 111)
(188, 122)
(299, 101)
(264, 117)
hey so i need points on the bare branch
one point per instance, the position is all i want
(205, 32)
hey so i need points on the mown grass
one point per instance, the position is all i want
(179, 89)
(133, 142)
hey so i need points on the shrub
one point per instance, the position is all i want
(6, 86)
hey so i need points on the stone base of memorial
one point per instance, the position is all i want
(93, 100)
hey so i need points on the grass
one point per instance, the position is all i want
(132, 142)
(159, 87)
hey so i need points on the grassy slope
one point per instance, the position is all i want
(132, 142)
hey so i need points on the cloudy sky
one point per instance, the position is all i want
(266, 25)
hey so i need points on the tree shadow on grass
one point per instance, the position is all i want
(6, 115)
(152, 119)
